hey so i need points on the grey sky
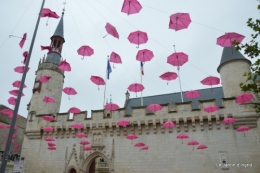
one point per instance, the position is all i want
(84, 23)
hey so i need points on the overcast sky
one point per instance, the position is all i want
(84, 24)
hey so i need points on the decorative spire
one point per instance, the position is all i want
(59, 32)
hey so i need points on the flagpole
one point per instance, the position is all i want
(18, 99)
(180, 83)
(105, 85)
(142, 84)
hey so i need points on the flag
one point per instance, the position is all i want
(142, 68)
(109, 69)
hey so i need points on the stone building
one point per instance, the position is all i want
(166, 154)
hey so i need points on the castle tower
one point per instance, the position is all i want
(49, 67)
(231, 68)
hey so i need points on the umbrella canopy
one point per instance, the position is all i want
(244, 98)
(182, 136)
(97, 80)
(50, 144)
(49, 139)
(201, 147)
(85, 51)
(23, 40)
(15, 92)
(228, 121)
(12, 101)
(16, 147)
(123, 123)
(9, 112)
(115, 58)
(77, 126)
(193, 143)
(138, 37)
(243, 129)
(169, 76)
(131, 137)
(48, 129)
(80, 135)
(48, 100)
(17, 84)
(87, 148)
(74, 110)
(177, 59)
(2, 126)
(168, 124)
(20, 69)
(211, 108)
(111, 106)
(139, 144)
(131, 7)
(192, 94)
(70, 91)
(112, 30)
(179, 21)
(145, 148)
(46, 12)
(25, 54)
(144, 55)
(154, 107)
(210, 80)
(65, 66)
(45, 79)
(136, 87)
(49, 48)
(227, 39)
(48, 118)
(84, 142)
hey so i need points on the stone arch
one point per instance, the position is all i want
(70, 168)
(87, 162)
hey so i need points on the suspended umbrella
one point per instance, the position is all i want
(179, 21)
(138, 37)
(77, 126)
(228, 121)
(17, 84)
(48, 100)
(9, 112)
(115, 58)
(193, 143)
(85, 51)
(244, 98)
(211, 108)
(2, 126)
(131, 137)
(23, 40)
(49, 48)
(227, 39)
(48, 13)
(84, 142)
(70, 91)
(51, 148)
(20, 69)
(48, 129)
(192, 94)
(154, 107)
(48, 118)
(87, 148)
(65, 66)
(49, 139)
(45, 79)
(243, 129)
(168, 124)
(25, 54)
(136, 87)
(144, 55)
(97, 80)
(74, 110)
(210, 80)
(12, 101)
(139, 144)
(16, 147)
(168, 76)
(80, 135)
(145, 148)
(182, 136)
(15, 92)
(131, 7)
(111, 30)
(201, 147)
(123, 123)
(50, 144)
(111, 106)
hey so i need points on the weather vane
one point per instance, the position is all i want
(64, 3)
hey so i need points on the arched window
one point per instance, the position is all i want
(72, 171)
(54, 43)
(58, 44)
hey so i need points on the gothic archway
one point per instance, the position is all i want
(89, 160)
(72, 170)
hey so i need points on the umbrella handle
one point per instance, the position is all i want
(69, 97)
(114, 66)
(167, 83)
(137, 46)
(47, 21)
(105, 36)
(98, 88)
(82, 57)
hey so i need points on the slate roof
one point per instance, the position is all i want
(206, 94)
(230, 54)
(60, 29)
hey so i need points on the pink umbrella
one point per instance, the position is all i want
(211, 108)
(23, 40)
(12, 101)
(131, 137)
(145, 148)
(244, 98)
(227, 39)
(211, 80)
(154, 107)
(182, 136)
(20, 69)
(138, 37)
(136, 87)
(48, 100)
(16, 147)
(48, 13)
(49, 139)
(74, 110)
(87, 148)
(177, 59)
(243, 129)
(144, 55)
(50, 144)
(115, 58)
(14, 135)
(139, 144)
(81, 135)
(85, 51)
(201, 147)
(45, 79)
(15, 127)
(69, 91)
(168, 124)
(192, 94)
(97, 80)
(25, 54)
(15, 92)
(111, 30)
(49, 48)
(169, 76)
(2, 126)
(48, 129)
(228, 121)
(84, 142)
(131, 7)
(48, 118)
(111, 106)
(179, 21)
(17, 84)
(77, 126)
(9, 112)
(123, 123)
(51, 148)
(65, 66)
(193, 143)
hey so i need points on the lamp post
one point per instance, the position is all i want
(11, 131)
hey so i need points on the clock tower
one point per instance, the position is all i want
(53, 88)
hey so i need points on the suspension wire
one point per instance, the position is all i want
(16, 24)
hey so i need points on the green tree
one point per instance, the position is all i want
(252, 50)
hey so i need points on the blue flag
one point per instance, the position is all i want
(109, 69)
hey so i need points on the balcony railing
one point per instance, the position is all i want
(103, 165)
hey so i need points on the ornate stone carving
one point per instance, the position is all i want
(97, 140)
